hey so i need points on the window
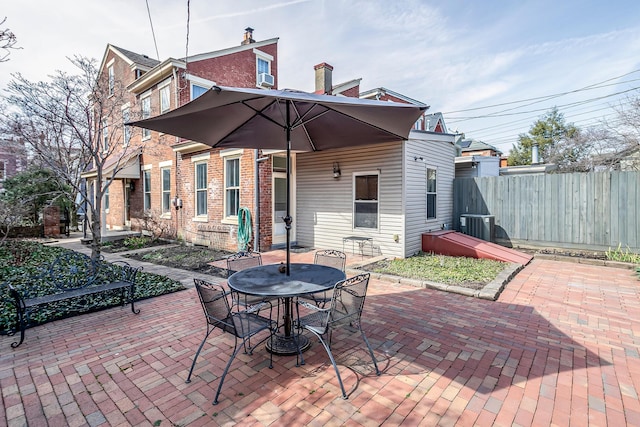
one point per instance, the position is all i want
(231, 187)
(201, 189)
(431, 193)
(106, 199)
(262, 66)
(165, 98)
(126, 131)
(166, 190)
(3, 170)
(112, 80)
(105, 135)
(365, 205)
(196, 91)
(146, 184)
(146, 113)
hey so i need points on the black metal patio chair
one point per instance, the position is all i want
(241, 261)
(242, 324)
(331, 258)
(345, 312)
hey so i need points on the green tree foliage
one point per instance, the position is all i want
(549, 132)
(33, 190)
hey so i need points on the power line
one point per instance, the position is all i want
(153, 33)
(547, 97)
(493, 115)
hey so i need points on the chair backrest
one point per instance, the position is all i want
(348, 301)
(242, 260)
(331, 258)
(215, 305)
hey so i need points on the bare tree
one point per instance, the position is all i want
(8, 41)
(71, 124)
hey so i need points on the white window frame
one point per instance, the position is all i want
(145, 106)
(146, 189)
(261, 56)
(105, 199)
(433, 193)
(227, 188)
(112, 79)
(126, 130)
(376, 201)
(201, 190)
(164, 94)
(165, 192)
(105, 135)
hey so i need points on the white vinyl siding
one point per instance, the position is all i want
(325, 205)
(437, 151)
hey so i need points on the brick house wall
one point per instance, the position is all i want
(231, 67)
(13, 159)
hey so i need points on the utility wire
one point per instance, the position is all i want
(153, 33)
(545, 97)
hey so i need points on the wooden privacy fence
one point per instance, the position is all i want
(596, 210)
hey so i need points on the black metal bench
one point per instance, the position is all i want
(71, 277)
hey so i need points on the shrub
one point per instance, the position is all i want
(24, 264)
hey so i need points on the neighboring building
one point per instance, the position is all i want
(210, 184)
(476, 158)
(433, 122)
(197, 191)
(13, 159)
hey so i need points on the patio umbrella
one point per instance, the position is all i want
(285, 119)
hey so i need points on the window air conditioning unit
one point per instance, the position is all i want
(480, 226)
(265, 80)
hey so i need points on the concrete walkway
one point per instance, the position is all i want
(559, 347)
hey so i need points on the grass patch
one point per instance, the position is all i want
(462, 271)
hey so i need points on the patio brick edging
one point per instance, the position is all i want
(490, 291)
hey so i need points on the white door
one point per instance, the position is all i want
(279, 202)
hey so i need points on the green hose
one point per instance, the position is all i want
(244, 229)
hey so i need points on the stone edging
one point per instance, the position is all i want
(491, 290)
(588, 261)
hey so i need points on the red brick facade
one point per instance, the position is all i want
(230, 67)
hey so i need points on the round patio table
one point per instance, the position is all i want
(268, 281)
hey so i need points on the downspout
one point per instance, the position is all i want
(177, 195)
(256, 221)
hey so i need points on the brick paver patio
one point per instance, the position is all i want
(559, 347)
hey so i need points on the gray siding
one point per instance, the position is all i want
(325, 205)
(436, 150)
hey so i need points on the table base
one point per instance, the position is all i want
(287, 346)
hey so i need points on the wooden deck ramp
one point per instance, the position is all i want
(453, 243)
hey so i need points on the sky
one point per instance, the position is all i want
(492, 67)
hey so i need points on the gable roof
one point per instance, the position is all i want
(136, 58)
(471, 144)
(434, 121)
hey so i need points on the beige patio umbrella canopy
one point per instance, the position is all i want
(226, 117)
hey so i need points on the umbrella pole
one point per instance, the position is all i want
(288, 219)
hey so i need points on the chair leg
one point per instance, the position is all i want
(236, 349)
(366, 341)
(193, 364)
(328, 350)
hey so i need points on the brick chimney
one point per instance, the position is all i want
(248, 36)
(324, 84)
